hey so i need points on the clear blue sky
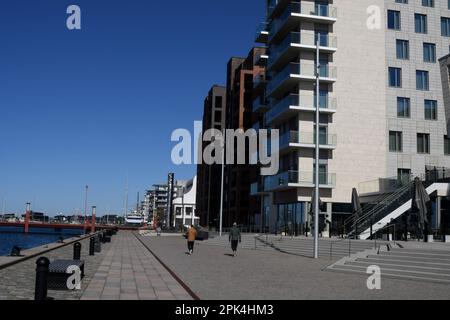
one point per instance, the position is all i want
(91, 106)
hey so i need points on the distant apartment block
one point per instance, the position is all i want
(209, 176)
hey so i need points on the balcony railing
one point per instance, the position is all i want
(307, 138)
(304, 8)
(262, 32)
(301, 70)
(306, 39)
(258, 80)
(300, 179)
(299, 102)
(259, 103)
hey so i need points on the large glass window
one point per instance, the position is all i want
(395, 77)
(429, 52)
(445, 27)
(403, 107)
(447, 144)
(431, 110)
(428, 3)
(403, 49)
(423, 143)
(394, 20)
(420, 21)
(404, 176)
(422, 80)
(395, 141)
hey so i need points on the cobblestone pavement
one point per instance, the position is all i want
(17, 281)
(128, 271)
(212, 273)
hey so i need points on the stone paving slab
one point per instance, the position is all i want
(212, 273)
(17, 281)
(128, 271)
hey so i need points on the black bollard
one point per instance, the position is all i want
(40, 289)
(91, 246)
(77, 251)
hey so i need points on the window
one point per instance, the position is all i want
(403, 107)
(395, 77)
(403, 49)
(404, 176)
(429, 52)
(428, 3)
(218, 102)
(423, 143)
(447, 143)
(420, 23)
(403, 1)
(218, 116)
(394, 20)
(422, 80)
(445, 27)
(430, 110)
(395, 141)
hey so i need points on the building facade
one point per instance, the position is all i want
(381, 100)
(238, 205)
(184, 203)
(209, 176)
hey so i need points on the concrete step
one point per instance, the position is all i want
(401, 271)
(442, 271)
(386, 255)
(406, 262)
(391, 274)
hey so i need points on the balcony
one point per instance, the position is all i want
(287, 78)
(262, 35)
(259, 83)
(256, 189)
(295, 179)
(296, 12)
(261, 59)
(294, 42)
(294, 103)
(294, 140)
(260, 105)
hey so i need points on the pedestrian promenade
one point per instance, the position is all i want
(128, 271)
(213, 273)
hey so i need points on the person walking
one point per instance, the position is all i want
(191, 236)
(234, 237)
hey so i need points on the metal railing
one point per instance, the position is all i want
(333, 244)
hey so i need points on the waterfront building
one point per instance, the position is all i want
(383, 100)
(184, 203)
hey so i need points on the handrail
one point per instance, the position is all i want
(380, 207)
(338, 241)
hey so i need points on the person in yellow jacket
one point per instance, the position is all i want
(191, 236)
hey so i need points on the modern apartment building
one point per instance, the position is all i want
(238, 205)
(184, 203)
(209, 176)
(382, 110)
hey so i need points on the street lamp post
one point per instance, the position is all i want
(317, 156)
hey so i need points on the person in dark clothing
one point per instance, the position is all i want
(234, 237)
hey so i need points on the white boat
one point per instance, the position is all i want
(135, 218)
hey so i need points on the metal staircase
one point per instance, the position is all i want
(390, 207)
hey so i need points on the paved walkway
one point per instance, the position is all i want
(129, 271)
(17, 281)
(213, 274)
